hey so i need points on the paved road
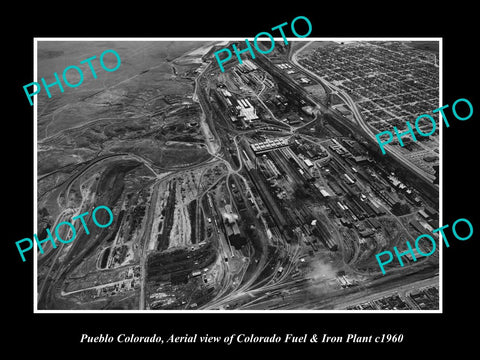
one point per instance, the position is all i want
(359, 120)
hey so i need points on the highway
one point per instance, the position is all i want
(278, 284)
(359, 120)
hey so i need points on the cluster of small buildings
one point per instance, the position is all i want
(246, 110)
(426, 299)
(289, 69)
(304, 80)
(246, 66)
(351, 210)
(392, 86)
(269, 144)
(353, 153)
(311, 232)
(119, 287)
(284, 66)
(392, 302)
(428, 221)
(423, 299)
(248, 74)
(285, 169)
(347, 189)
(402, 188)
(237, 109)
(309, 150)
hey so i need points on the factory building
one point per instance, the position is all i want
(231, 228)
(246, 110)
(246, 66)
(268, 145)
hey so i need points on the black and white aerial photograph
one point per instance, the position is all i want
(219, 180)
(258, 188)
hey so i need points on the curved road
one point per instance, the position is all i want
(359, 120)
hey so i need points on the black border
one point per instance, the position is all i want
(456, 25)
